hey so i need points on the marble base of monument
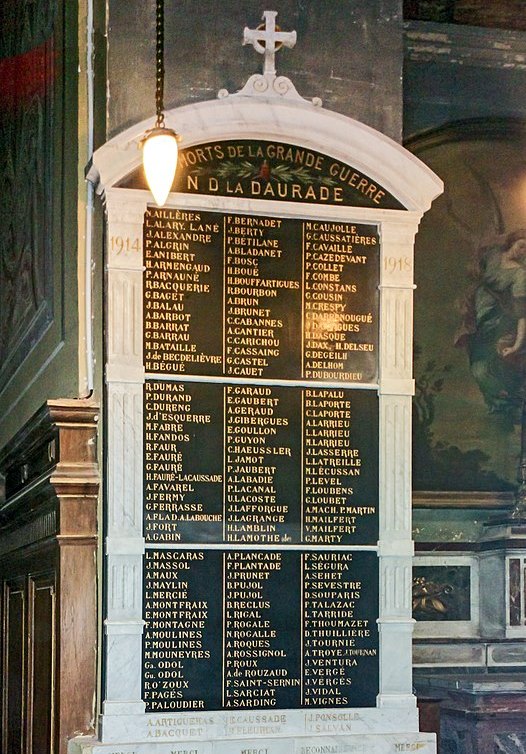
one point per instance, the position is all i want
(355, 744)
(320, 731)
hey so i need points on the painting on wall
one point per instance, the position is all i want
(441, 593)
(470, 310)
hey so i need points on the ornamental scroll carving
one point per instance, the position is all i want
(27, 62)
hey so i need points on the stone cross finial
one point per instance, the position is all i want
(268, 39)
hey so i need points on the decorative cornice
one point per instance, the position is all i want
(456, 44)
(487, 500)
(51, 465)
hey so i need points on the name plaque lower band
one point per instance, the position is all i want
(259, 629)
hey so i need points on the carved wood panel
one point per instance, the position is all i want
(28, 61)
(13, 663)
(41, 663)
(28, 663)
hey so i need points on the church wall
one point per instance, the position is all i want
(350, 54)
(42, 153)
(454, 73)
(336, 57)
(464, 104)
(48, 437)
(464, 115)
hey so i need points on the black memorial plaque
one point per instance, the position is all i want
(182, 647)
(248, 296)
(259, 629)
(341, 268)
(262, 464)
(183, 260)
(262, 312)
(272, 171)
(340, 634)
(183, 462)
(249, 483)
(256, 465)
(340, 466)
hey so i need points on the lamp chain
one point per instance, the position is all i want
(159, 64)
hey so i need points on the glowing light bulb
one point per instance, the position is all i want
(159, 157)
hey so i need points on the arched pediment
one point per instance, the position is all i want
(352, 153)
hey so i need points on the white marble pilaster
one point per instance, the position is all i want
(124, 341)
(123, 625)
(493, 602)
(124, 266)
(395, 469)
(396, 388)
(125, 441)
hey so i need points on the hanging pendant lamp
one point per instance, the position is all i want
(159, 145)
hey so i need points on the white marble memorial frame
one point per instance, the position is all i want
(280, 115)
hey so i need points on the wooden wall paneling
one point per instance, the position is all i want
(13, 666)
(48, 560)
(75, 481)
(76, 657)
(41, 659)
